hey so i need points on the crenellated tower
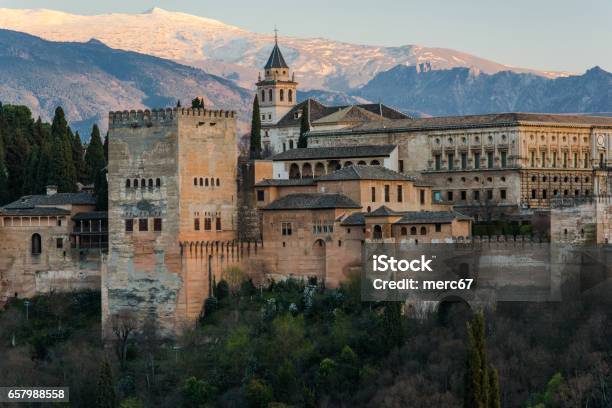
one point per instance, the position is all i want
(277, 91)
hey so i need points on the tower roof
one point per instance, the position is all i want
(276, 59)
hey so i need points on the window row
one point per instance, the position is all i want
(399, 194)
(143, 224)
(422, 231)
(281, 95)
(323, 227)
(553, 160)
(143, 183)
(475, 195)
(543, 194)
(205, 182)
(477, 160)
(207, 224)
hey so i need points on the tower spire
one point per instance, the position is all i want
(275, 35)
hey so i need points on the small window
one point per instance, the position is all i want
(534, 193)
(401, 166)
(150, 183)
(201, 181)
(128, 183)
(196, 224)
(373, 194)
(207, 224)
(218, 183)
(290, 95)
(157, 224)
(489, 194)
(413, 230)
(400, 194)
(195, 181)
(422, 196)
(59, 222)
(143, 224)
(206, 182)
(286, 228)
(157, 182)
(476, 194)
(449, 196)
(502, 194)
(129, 225)
(387, 198)
(260, 195)
(438, 227)
(143, 183)
(218, 224)
(36, 247)
(135, 183)
(437, 196)
(403, 231)
(463, 195)
(59, 243)
(423, 230)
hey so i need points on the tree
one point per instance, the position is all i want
(255, 143)
(197, 103)
(106, 387)
(4, 193)
(304, 126)
(178, 103)
(101, 190)
(392, 321)
(480, 390)
(94, 156)
(61, 169)
(78, 158)
(123, 325)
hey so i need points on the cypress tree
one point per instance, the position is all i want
(106, 388)
(4, 193)
(78, 158)
(304, 126)
(94, 155)
(197, 103)
(106, 148)
(255, 145)
(392, 320)
(481, 391)
(61, 168)
(101, 191)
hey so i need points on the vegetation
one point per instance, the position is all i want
(304, 126)
(255, 140)
(294, 344)
(34, 154)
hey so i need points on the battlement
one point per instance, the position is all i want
(161, 116)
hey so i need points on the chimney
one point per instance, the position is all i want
(51, 190)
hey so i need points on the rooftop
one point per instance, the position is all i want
(35, 211)
(312, 201)
(286, 182)
(336, 152)
(276, 59)
(428, 217)
(90, 215)
(32, 201)
(358, 172)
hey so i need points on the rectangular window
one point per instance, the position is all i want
(586, 160)
(476, 160)
(422, 196)
(129, 225)
(564, 160)
(575, 160)
(437, 196)
(476, 195)
(438, 161)
(400, 194)
(532, 161)
(544, 194)
(504, 158)
(143, 224)
(490, 161)
(463, 161)
(387, 198)
(260, 195)
(489, 194)
(286, 228)
(463, 195)
(218, 224)
(451, 159)
(449, 195)
(157, 224)
(543, 159)
(401, 166)
(438, 227)
(207, 224)
(502, 194)
(59, 243)
(373, 194)
(554, 160)
(196, 224)
(533, 194)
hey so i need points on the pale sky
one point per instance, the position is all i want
(561, 35)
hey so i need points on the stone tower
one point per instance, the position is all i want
(172, 182)
(277, 92)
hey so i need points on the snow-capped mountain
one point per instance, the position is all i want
(238, 54)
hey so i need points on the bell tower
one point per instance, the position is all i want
(277, 91)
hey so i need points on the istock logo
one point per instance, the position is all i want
(383, 263)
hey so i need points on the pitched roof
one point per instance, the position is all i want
(359, 172)
(276, 59)
(382, 211)
(351, 113)
(44, 211)
(311, 201)
(286, 182)
(317, 111)
(334, 152)
(90, 215)
(31, 201)
(471, 121)
(356, 218)
(428, 217)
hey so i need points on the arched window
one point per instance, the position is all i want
(135, 183)
(282, 95)
(270, 95)
(362, 163)
(157, 182)
(423, 231)
(143, 183)
(201, 181)
(290, 95)
(404, 231)
(36, 244)
(218, 183)
(206, 182)
(375, 163)
(128, 183)
(150, 183)
(412, 230)
(263, 95)
(377, 232)
(291, 144)
(294, 171)
(195, 181)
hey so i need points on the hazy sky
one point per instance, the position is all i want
(542, 34)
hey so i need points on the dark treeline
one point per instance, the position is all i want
(34, 154)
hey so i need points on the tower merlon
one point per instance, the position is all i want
(167, 115)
